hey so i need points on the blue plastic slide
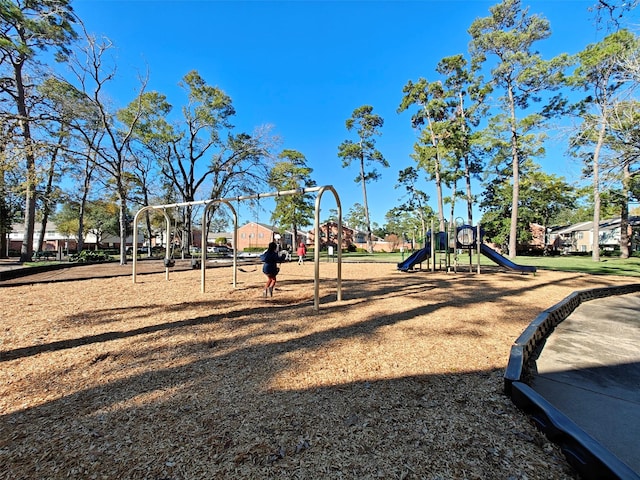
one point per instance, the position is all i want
(503, 261)
(416, 257)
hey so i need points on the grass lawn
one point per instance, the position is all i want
(606, 266)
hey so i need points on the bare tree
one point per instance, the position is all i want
(111, 154)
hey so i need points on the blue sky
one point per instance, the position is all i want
(304, 66)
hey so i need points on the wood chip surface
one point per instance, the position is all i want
(101, 378)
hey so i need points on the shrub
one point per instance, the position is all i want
(255, 249)
(90, 256)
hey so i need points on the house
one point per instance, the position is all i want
(329, 236)
(215, 238)
(579, 237)
(351, 238)
(379, 245)
(55, 241)
(254, 235)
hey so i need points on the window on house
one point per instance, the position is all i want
(580, 235)
(583, 248)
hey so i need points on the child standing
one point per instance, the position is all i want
(302, 252)
(270, 268)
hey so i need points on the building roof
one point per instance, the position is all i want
(607, 224)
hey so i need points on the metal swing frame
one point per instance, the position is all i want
(228, 202)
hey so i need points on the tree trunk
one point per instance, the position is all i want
(26, 250)
(366, 208)
(595, 253)
(513, 230)
(467, 179)
(89, 167)
(439, 194)
(81, 211)
(5, 221)
(467, 166)
(452, 219)
(440, 200)
(150, 233)
(122, 197)
(624, 213)
(46, 196)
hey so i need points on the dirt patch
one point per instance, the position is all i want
(101, 378)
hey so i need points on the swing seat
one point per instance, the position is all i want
(169, 262)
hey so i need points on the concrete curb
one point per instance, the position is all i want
(18, 272)
(590, 459)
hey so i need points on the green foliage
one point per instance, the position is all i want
(543, 198)
(508, 35)
(600, 74)
(415, 199)
(30, 27)
(623, 141)
(147, 114)
(410, 225)
(446, 113)
(101, 217)
(367, 126)
(430, 151)
(90, 256)
(292, 173)
(602, 64)
(466, 94)
(254, 249)
(356, 218)
(332, 217)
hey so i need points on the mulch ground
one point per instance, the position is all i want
(101, 378)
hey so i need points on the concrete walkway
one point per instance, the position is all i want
(589, 370)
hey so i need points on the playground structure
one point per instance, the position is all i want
(209, 204)
(438, 250)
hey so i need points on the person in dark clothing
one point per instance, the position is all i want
(270, 267)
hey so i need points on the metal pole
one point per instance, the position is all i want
(433, 248)
(205, 231)
(227, 201)
(447, 257)
(135, 240)
(478, 242)
(167, 248)
(316, 253)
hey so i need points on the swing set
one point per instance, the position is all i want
(209, 204)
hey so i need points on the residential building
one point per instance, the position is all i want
(579, 237)
(55, 241)
(329, 236)
(254, 235)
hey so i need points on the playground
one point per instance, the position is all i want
(402, 379)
